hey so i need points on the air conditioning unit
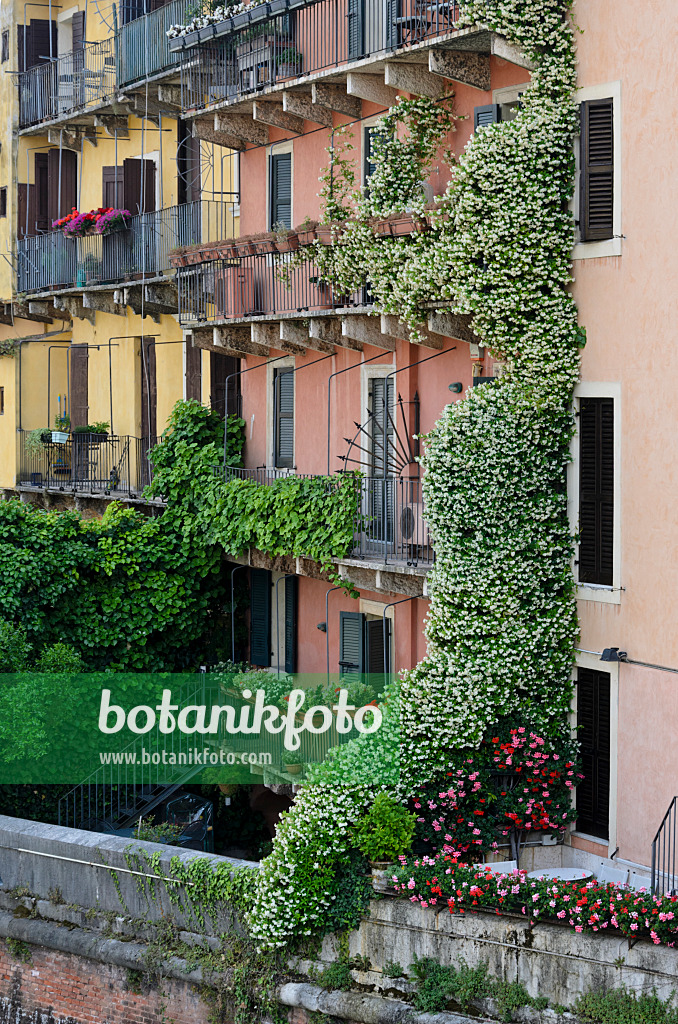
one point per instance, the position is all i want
(412, 531)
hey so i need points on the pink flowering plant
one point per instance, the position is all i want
(518, 782)
(585, 906)
(111, 220)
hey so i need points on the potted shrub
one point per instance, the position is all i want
(93, 433)
(288, 63)
(35, 440)
(382, 835)
(62, 425)
(292, 762)
(284, 239)
(306, 231)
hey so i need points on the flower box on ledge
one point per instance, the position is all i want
(328, 234)
(400, 225)
(287, 243)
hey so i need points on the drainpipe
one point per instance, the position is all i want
(383, 621)
(287, 576)
(327, 629)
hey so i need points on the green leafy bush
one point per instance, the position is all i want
(386, 830)
(624, 1007)
(59, 657)
(14, 646)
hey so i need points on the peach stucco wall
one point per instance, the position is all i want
(629, 306)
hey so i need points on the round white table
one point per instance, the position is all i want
(562, 874)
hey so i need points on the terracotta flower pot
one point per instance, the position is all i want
(243, 248)
(193, 258)
(328, 233)
(288, 244)
(263, 246)
(307, 236)
(226, 251)
(179, 260)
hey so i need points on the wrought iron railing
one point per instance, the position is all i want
(248, 286)
(664, 880)
(141, 249)
(78, 80)
(274, 48)
(390, 524)
(143, 50)
(87, 463)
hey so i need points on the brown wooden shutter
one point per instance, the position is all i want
(138, 175)
(110, 195)
(69, 183)
(597, 170)
(149, 389)
(25, 197)
(79, 395)
(39, 215)
(193, 372)
(78, 26)
(221, 368)
(20, 47)
(593, 721)
(37, 42)
(596, 490)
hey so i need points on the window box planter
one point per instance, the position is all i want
(226, 250)
(243, 247)
(396, 227)
(288, 244)
(307, 235)
(328, 233)
(277, 6)
(259, 13)
(178, 260)
(191, 38)
(263, 246)
(240, 20)
(59, 436)
(193, 258)
(210, 252)
(206, 33)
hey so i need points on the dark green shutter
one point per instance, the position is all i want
(593, 720)
(374, 651)
(596, 213)
(393, 34)
(381, 511)
(351, 644)
(260, 617)
(596, 490)
(489, 113)
(281, 189)
(291, 591)
(355, 15)
(283, 405)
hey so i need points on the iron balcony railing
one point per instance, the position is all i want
(87, 463)
(143, 50)
(257, 285)
(300, 42)
(141, 249)
(78, 80)
(664, 880)
(390, 525)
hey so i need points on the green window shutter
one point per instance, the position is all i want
(596, 198)
(283, 412)
(291, 592)
(596, 490)
(260, 617)
(355, 15)
(351, 644)
(281, 189)
(489, 113)
(374, 651)
(593, 721)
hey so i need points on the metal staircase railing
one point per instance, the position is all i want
(664, 880)
(115, 796)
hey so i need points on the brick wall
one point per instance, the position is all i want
(55, 988)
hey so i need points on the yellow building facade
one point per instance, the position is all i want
(88, 323)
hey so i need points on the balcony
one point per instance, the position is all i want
(255, 286)
(53, 261)
(389, 527)
(144, 50)
(261, 48)
(87, 464)
(77, 82)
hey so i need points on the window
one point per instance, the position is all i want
(3, 201)
(283, 418)
(281, 189)
(370, 133)
(593, 721)
(490, 113)
(596, 181)
(5, 46)
(260, 617)
(361, 647)
(596, 491)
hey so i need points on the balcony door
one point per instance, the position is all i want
(381, 493)
(149, 389)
